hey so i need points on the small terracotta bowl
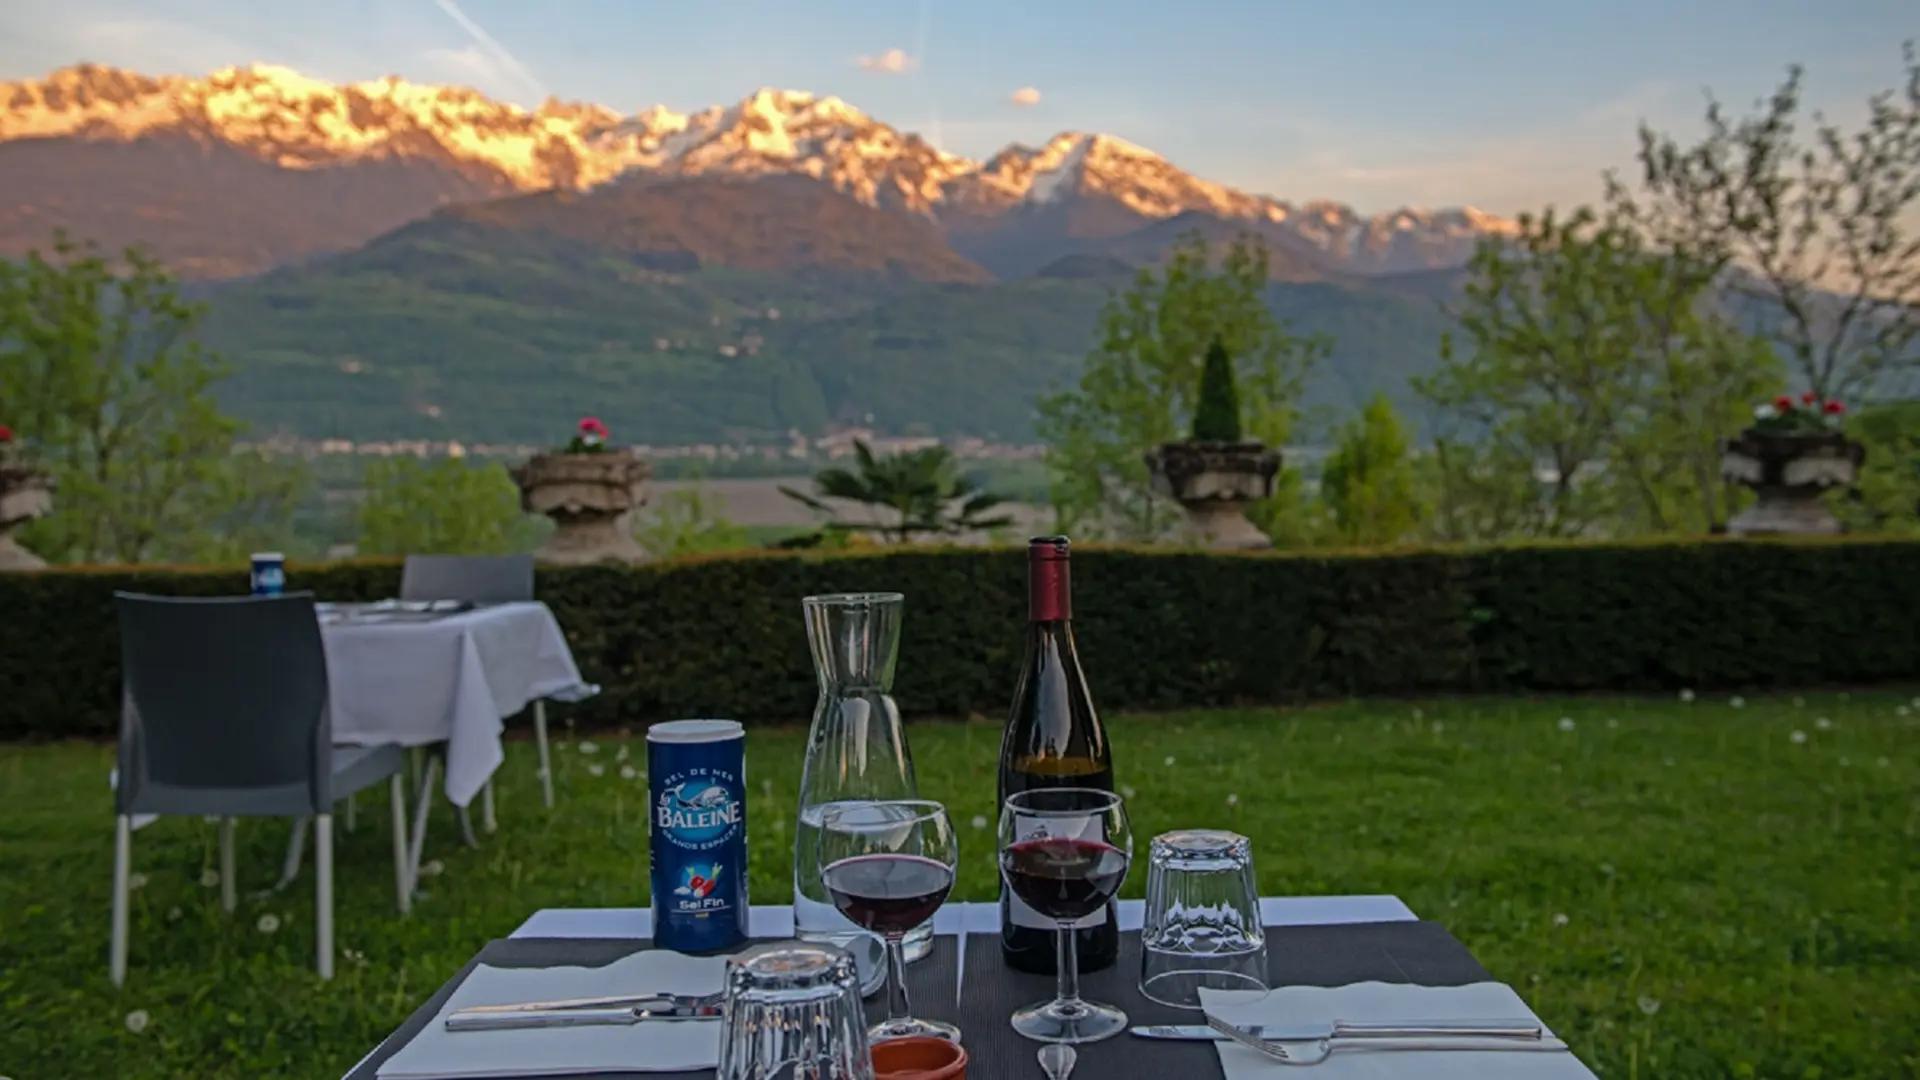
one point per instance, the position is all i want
(919, 1058)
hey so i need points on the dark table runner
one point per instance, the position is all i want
(1395, 952)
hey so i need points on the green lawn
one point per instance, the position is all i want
(1683, 890)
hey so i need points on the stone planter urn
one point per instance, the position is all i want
(1789, 471)
(25, 494)
(591, 499)
(1213, 482)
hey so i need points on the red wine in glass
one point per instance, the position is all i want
(888, 894)
(1062, 878)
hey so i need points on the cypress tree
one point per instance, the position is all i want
(1217, 416)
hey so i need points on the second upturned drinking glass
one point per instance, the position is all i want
(1064, 852)
(888, 867)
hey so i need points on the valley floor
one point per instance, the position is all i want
(1683, 891)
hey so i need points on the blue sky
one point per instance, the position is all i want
(1502, 104)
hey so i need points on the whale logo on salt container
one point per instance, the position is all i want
(697, 812)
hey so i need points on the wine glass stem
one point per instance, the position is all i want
(898, 1007)
(1067, 961)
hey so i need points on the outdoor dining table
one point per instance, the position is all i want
(425, 677)
(1312, 941)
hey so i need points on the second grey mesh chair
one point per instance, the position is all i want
(224, 713)
(481, 579)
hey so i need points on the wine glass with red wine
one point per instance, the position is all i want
(888, 866)
(1064, 852)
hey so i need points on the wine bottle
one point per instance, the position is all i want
(1053, 739)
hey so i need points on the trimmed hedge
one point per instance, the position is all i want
(722, 636)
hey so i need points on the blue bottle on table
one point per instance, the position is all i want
(697, 834)
(269, 573)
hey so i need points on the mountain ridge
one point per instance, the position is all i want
(421, 146)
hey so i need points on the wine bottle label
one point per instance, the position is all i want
(1090, 827)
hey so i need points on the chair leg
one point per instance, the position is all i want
(402, 882)
(122, 871)
(540, 738)
(353, 802)
(229, 892)
(487, 821)
(296, 851)
(323, 892)
(421, 802)
(466, 827)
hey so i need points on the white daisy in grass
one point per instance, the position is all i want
(1566, 723)
(267, 923)
(1561, 919)
(1169, 762)
(1438, 727)
(596, 770)
(136, 881)
(1612, 723)
(137, 1021)
(620, 754)
(1232, 799)
(628, 772)
(589, 747)
(209, 879)
(1127, 792)
(1822, 723)
(1737, 701)
(1798, 737)
(1686, 696)
(1649, 1005)
(979, 821)
(173, 914)
(433, 868)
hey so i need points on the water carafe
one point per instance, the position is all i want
(856, 753)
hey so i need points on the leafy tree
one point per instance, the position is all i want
(1217, 417)
(1369, 482)
(1817, 232)
(921, 492)
(103, 377)
(1142, 380)
(687, 521)
(1887, 498)
(1588, 387)
(443, 507)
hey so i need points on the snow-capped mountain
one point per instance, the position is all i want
(476, 147)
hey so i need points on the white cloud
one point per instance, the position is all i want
(891, 62)
(1026, 97)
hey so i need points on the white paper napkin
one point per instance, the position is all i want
(1375, 1001)
(648, 1046)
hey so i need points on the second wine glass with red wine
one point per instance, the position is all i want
(1065, 852)
(888, 866)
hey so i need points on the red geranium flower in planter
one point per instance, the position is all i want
(1808, 397)
(6, 433)
(1783, 403)
(1834, 408)
(591, 439)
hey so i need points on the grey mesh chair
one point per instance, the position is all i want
(481, 579)
(224, 713)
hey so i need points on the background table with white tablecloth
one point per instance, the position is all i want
(415, 680)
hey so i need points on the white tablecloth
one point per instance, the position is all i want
(451, 679)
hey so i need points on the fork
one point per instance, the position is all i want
(1319, 1050)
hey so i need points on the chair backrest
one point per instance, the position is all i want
(478, 579)
(222, 693)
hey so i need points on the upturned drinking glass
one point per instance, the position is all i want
(792, 1011)
(1202, 928)
(856, 754)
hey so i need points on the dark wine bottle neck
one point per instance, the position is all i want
(1049, 591)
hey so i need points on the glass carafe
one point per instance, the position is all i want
(856, 753)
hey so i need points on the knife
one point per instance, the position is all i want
(1528, 1030)
(494, 1018)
